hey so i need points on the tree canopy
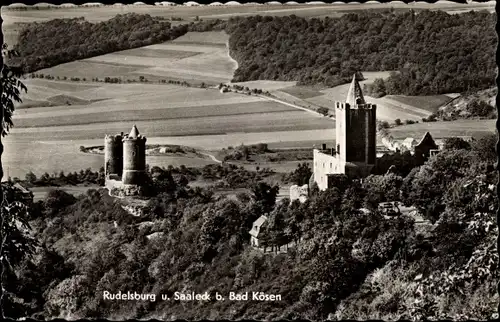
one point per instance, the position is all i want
(432, 51)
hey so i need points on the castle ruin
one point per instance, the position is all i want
(125, 163)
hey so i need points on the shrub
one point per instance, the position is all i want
(323, 110)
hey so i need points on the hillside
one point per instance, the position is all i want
(475, 105)
(346, 265)
(435, 52)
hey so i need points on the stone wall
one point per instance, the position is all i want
(323, 165)
(113, 155)
(134, 160)
(300, 193)
(113, 184)
(117, 188)
(356, 132)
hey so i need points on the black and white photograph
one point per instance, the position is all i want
(249, 160)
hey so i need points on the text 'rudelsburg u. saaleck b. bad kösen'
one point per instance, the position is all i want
(191, 296)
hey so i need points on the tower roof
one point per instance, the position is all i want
(134, 133)
(354, 94)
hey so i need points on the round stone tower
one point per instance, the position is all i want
(134, 158)
(113, 156)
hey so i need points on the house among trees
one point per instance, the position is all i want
(420, 150)
(24, 194)
(257, 231)
(409, 143)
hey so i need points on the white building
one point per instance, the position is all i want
(256, 231)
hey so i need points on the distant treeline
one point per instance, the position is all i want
(435, 52)
(58, 41)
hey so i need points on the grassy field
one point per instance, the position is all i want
(163, 110)
(315, 97)
(474, 128)
(39, 193)
(131, 96)
(428, 103)
(212, 38)
(195, 58)
(389, 108)
(201, 112)
(302, 92)
(52, 149)
(90, 69)
(157, 53)
(338, 93)
(262, 122)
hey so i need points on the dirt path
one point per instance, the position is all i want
(211, 156)
(235, 62)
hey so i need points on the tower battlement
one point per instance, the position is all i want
(355, 127)
(114, 138)
(134, 135)
(136, 139)
(134, 158)
(363, 106)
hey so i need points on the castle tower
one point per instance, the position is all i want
(356, 128)
(134, 158)
(113, 156)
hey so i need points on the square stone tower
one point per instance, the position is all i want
(355, 151)
(356, 128)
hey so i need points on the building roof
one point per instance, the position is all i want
(427, 137)
(134, 133)
(409, 141)
(21, 187)
(257, 225)
(355, 94)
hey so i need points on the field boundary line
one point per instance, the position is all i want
(405, 106)
(292, 105)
